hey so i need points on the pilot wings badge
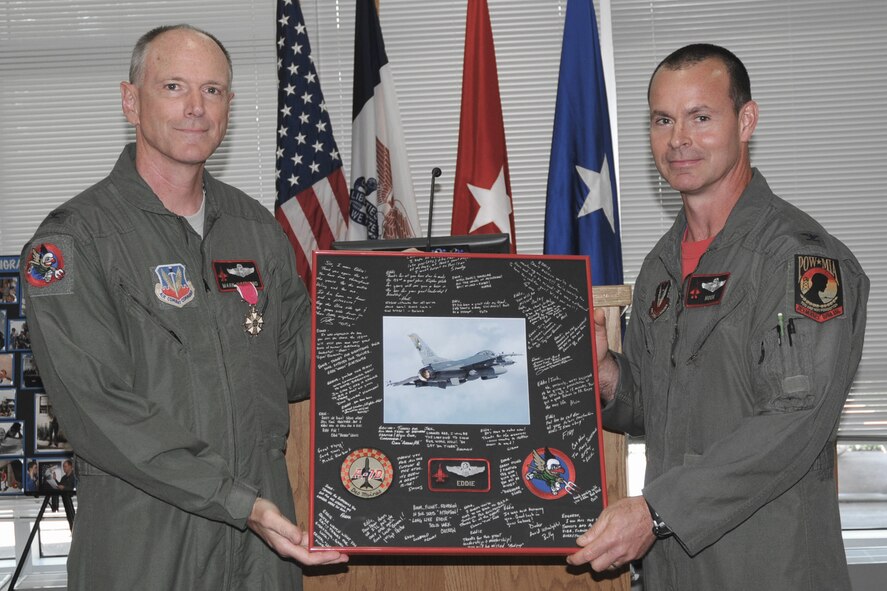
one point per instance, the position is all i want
(706, 290)
(459, 475)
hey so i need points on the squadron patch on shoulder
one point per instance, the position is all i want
(367, 473)
(706, 290)
(660, 300)
(818, 291)
(174, 287)
(45, 265)
(230, 273)
(459, 475)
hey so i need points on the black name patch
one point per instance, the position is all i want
(706, 290)
(458, 475)
(230, 273)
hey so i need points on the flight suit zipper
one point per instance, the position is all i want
(212, 315)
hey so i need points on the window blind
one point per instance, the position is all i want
(817, 71)
(816, 65)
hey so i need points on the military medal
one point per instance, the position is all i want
(253, 322)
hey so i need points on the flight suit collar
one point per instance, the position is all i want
(133, 188)
(748, 212)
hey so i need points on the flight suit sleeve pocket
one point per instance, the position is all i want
(783, 380)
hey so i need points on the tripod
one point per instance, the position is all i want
(50, 500)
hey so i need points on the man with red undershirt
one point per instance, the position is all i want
(747, 328)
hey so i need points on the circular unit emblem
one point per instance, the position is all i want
(46, 265)
(367, 473)
(549, 473)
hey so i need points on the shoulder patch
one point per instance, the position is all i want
(818, 291)
(46, 268)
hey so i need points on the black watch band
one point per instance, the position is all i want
(660, 530)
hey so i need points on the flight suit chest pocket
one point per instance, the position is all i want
(715, 328)
(143, 319)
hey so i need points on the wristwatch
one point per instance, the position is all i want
(660, 530)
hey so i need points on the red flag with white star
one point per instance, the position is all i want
(482, 187)
(312, 193)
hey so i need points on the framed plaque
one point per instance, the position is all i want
(454, 404)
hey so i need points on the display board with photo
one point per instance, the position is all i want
(9, 292)
(29, 431)
(30, 373)
(7, 370)
(55, 476)
(12, 437)
(49, 437)
(11, 481)
(454, 404)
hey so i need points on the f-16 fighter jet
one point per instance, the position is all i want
(441, 372)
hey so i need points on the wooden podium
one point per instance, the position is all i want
(448, 573)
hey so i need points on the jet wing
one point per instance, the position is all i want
(420, 383)
(413, 381)
(477, 361)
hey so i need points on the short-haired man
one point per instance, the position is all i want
(738, 360)
(169, 374)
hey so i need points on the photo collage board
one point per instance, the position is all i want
(35, 456)
(454, 404)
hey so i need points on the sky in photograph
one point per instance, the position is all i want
(500, 401)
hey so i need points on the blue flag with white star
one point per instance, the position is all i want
(581, 209)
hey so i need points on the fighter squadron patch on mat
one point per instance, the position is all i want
(367, 473)
(549, 473)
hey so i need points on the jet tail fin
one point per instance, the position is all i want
(428, 356)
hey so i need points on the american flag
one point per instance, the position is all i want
(312, 194)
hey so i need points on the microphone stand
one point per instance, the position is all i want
(435, 172)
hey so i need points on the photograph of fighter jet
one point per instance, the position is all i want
(455, 370)
(442, 372)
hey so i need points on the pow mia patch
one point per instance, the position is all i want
(818, 291)
(706, 290)
(230, 273)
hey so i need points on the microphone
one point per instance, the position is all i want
(435, 172)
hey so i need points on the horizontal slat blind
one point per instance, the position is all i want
(817, 70)
(61, 125)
